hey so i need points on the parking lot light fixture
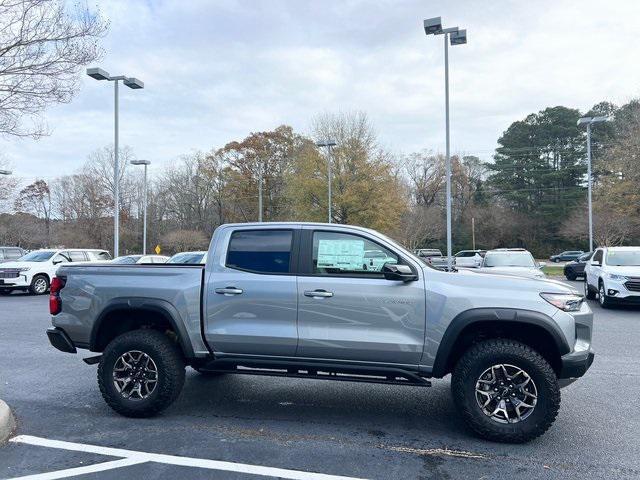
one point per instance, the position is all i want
(146, 163)
(455, 36)
(135, 84)
(328, 144)
(5, 172)
(588, 121)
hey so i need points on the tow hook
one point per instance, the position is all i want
(92, 360)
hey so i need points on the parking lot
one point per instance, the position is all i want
(237, 427)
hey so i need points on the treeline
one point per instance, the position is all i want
(533, 193)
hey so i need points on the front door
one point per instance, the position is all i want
(251, 304)
(346, 308)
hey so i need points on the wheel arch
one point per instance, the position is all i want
(126, 314)
(532, 328)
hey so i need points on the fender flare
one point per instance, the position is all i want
(131, 304)
(506, 315)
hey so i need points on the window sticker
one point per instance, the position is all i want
(341, 254)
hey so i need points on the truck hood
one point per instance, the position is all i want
(486, 277)
(528, 272)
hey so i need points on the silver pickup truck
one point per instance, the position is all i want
(300, 300)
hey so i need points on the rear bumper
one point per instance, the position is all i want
(59, 339)
(576, 364)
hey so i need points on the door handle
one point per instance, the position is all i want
(318, 293)
(229, 291)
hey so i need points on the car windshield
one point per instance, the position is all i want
(129, 259)
(36, 257)
(509, 259)
(190, 258)
(623, 258)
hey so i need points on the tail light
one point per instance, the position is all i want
(55, 302)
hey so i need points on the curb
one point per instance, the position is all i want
(7, 422)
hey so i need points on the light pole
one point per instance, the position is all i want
(134, 83)
(146, 163)
(329, 144)
(260, 180)
(433, 26)
(588, 121)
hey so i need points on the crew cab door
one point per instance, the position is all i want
(347, 310)
(250, 303)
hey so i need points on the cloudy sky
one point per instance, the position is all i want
(216, 70)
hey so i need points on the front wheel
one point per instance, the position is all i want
(505, 391)
(570, 276)
(603, 298)
(588, 293)
(141, 373)
(39, 285)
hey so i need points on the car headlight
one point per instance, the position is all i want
(568, 302)
(613, 276)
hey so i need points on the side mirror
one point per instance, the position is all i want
(401, 273)
(56, 262)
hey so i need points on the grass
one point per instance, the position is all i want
(554, 270)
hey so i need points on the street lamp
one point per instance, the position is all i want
(433, 26)
(135, 84)
(5, 172)
(329, 144)
(146, 163)
(588, 121)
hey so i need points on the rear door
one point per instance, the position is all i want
(593, 268)
(349, 311)
(251, 295)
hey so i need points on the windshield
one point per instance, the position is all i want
(127, 260)
(189, 257)
(623, 258)
(36, 257)
(509, 259)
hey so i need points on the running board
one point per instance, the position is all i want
(318, 371)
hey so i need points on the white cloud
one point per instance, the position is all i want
(215, 71)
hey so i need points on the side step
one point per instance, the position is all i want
(318, 371)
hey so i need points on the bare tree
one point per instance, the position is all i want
(43, 45)
(36, 199)
(8, 185)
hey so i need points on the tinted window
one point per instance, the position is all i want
(342, 253)
(77, 256)
(262, 251)
(597, 257)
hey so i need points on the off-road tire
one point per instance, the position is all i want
(36, 281)
(483, 355)
(170, 365)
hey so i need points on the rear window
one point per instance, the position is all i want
(77, 256)
(260, 251)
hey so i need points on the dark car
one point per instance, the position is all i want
(575, 269)
(568, 256)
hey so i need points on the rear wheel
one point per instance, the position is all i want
(39, 285)
(141, 373)
(570, 276)
(505, 391)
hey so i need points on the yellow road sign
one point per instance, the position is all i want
(158, 249)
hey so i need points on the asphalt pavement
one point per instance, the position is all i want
(242, 427)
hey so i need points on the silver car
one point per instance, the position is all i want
(511, 261)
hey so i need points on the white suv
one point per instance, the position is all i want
(613, 274)
(34, 271)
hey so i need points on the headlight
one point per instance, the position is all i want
(568, 302)
(613, 276)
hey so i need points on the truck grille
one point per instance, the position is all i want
(633, 284)
(9, 273)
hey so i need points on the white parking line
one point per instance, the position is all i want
(140, 457)
(72, 472)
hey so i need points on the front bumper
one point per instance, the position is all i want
(59, 339)
(21, 281)
(576, 364)
(617, 291)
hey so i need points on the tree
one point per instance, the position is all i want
(8, 184)
(36, 199)
(184, 240)
(43, 45)
(366, 189)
